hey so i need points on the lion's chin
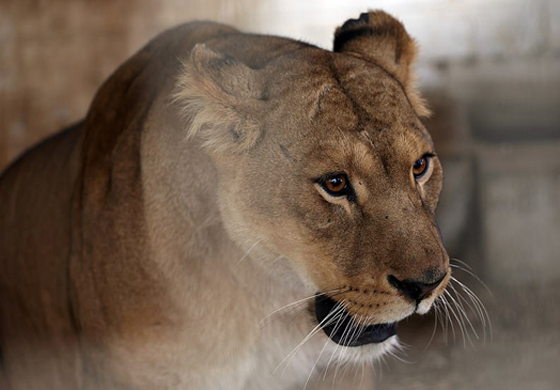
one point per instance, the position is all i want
(367, 353)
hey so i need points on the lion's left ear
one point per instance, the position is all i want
(378, 37)
(220, 98)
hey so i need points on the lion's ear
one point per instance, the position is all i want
(220, 99)
(378, 37)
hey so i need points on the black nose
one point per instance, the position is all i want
(414, 289)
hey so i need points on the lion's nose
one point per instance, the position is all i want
(414, 289)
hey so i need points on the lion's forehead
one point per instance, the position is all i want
(348, 114)
(346, 93)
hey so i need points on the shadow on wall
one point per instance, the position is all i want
(497, 128)
(491, 70)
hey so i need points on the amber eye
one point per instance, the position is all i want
(420, 167)
(336, 185)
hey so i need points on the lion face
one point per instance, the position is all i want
(325, 165)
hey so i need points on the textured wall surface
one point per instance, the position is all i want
(55, 54)
(491, 69)
(492, 54)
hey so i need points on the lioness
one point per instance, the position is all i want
(236, 211)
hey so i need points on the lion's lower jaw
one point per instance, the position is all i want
(318, 364)
(366, 354)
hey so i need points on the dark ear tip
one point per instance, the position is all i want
(351, 29)
(373, 19)
(364, 17)
(375, 23)
(350, 23)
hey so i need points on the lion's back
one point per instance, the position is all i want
(35, 199)
(40, 199)
(41, 196)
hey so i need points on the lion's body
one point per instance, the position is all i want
(123, 263)
(56, 250)
(36, 322)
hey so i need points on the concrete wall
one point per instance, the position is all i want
(56, 53)
(491, 70)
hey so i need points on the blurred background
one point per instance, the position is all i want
(491, 72)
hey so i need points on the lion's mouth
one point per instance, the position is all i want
(338, 324)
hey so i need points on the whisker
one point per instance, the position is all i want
(470, 271)
(299, 301)
(339, 345)
(460, 321)
(336, 328)
(325, 322)
(379, 361)
(463, 316)
(442, 319)
(353, 327)
(315, 364)
(362, 375)
(384, 361)
(362, 323)
(460, 300)
(345, 367)
(476, 301)
(403, 347)
(249, 250)
(474, 308)
(371, 363)
(448, 316)
(460, 262)
(474, 298)
(436, 313)
(343, 334)
(300, 308)
(395, 356)
(359, 329)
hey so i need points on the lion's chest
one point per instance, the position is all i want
(284, 355)
(235, 353)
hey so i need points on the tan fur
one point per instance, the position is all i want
(382, 39)
(144, 247)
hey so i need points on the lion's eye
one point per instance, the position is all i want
(420, 167)
(336, 185)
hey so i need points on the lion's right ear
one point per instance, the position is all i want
(378, 37)
(220, 98)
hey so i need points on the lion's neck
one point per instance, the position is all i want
(184, 225)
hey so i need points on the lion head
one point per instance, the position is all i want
(326, 172)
